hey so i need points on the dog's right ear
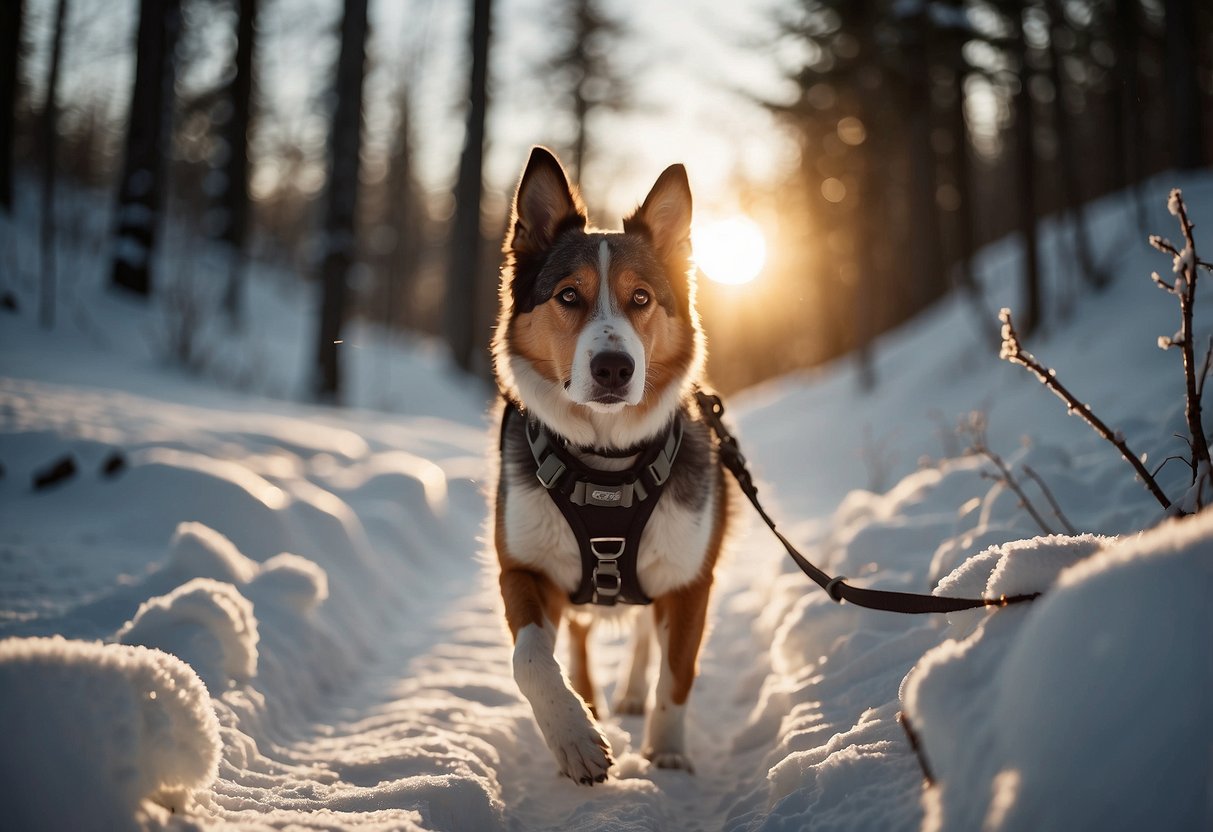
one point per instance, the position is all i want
(544, 206)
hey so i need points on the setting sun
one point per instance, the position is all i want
(730, 250)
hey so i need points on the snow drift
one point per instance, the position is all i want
(1090, 710)
(96, 736)
(204, 622)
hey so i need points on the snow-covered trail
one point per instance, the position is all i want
(439, 700)
(362, 680)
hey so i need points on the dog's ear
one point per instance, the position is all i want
(665, 216)
(544, 206)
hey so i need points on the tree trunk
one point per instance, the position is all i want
(962, 171)
(1071, 193)
(925, 242)
(50, 135)
(1025, 173)
(141, 194)
(340, 236)
(464, 267)
(233, 198)
(406, 220)
(1184, 99)
(11, 14)
(870, 284)
(1130, 135)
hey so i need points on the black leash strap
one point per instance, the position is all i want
(837, 588)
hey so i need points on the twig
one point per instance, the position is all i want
(1044, 489)
(1184, 266)
(1204, 371)
(1172, 458)
(916, 747)
(1012, 351)
(977, 431)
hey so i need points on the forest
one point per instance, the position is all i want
(368, 151)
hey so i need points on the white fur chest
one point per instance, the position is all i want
(672, 548)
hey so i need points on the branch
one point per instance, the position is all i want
(1012, 351)
(1057, 512)
(1184, 266)
(1204, 371)
(977, 432)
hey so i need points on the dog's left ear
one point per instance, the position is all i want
(665, 216)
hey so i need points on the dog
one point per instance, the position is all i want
(598, 351)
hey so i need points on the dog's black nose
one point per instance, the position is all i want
(612, 370)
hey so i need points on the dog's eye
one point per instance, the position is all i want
(640, 297)
(568, 297)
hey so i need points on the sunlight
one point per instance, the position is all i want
(729, 250)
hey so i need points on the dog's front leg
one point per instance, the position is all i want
(680, 618)
(532, 607)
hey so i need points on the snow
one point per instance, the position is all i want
(97, 735)
(304, 589)
(1014, 718)
(207, 623)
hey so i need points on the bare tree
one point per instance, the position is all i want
(464, 265)
(926, 244)
(141, 193)
(339, 235)
(1065, 149)
(232, 198)
(405, 216)
(50, 135)
(1184, 98)
(1128, 134)
(1025, 172)
(587, 69)
(11, 15)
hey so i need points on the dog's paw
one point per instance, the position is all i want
(670, 759)
(628, 706)
(584, 756)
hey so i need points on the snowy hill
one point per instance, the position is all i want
(243, 611)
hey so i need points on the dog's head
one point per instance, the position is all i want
(598, 332)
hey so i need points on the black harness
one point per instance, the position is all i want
(606, 510)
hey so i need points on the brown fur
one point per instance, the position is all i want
(685, 609)
(530, 597)
(579, 636)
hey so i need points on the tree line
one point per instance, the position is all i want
(923, 128)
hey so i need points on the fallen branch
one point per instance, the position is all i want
(1013, 351)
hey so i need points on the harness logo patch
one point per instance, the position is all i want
(607, 496)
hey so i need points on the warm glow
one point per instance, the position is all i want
(730, 250)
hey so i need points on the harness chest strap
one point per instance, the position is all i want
(606, 510)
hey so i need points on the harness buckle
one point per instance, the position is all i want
(606, 576)
(550, 471)
(659, 468)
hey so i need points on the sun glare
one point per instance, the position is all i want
(729, 250)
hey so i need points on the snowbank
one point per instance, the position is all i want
(205, 623)
(93, 732)
(1090, 710)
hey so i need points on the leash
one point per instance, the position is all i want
(837, 588)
